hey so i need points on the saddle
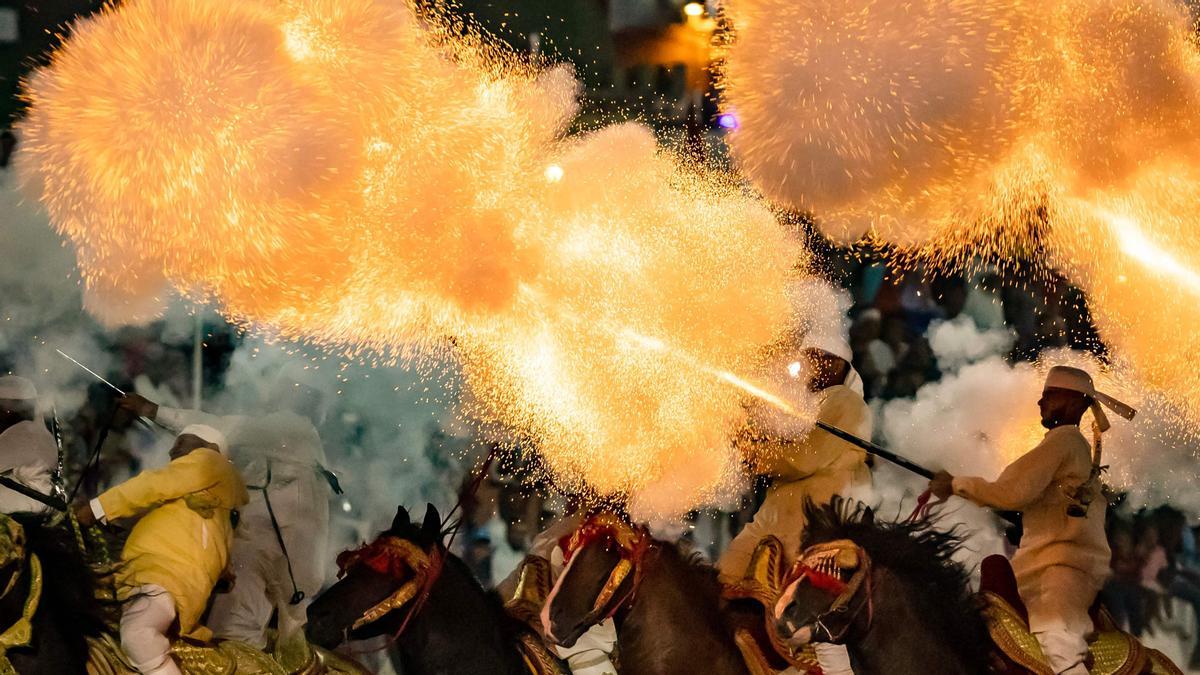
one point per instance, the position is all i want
(533, 587)
(105, 657)
(761, 586)
(1113, 652)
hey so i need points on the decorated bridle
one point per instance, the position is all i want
(822, 566)
(396, 558)
(633, 543)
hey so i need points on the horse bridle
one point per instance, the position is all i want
(393, 556)
(633, 542)
(822, 565)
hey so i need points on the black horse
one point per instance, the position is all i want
(890, 592)
(666, 605)
(407, 586)
(67, 611)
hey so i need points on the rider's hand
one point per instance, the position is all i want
(84, 514)
(226, 581)
(942, 485)
(139, 405)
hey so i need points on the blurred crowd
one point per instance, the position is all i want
(1155, 583)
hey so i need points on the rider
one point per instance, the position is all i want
(815, 467)
(1063, 558)
(179, 548)
(592, 653)
(27, 449)
(282, 459)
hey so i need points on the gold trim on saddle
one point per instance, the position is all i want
(533, 587)
(1113, 652)
(20, 634)
(538, 658)
(764, 582)
(763, 579)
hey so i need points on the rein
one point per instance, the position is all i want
(924, 507)
(820, 566)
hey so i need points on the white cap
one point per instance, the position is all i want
(15, 388)
(206, 433)
(829, 342)
(1075, 379)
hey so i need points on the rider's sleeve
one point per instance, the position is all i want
(1020, 484)
(188, 474)
(841, 408)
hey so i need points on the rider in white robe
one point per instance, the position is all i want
(815, 467)
(28, 453)
(1063, 559)
(286, 444)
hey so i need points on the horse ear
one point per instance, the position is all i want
(401, 521)
(432, 527)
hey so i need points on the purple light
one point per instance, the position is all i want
(727, 121)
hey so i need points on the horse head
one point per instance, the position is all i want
(382, 584)
(603, 564)
(827, 591)
(896, 581)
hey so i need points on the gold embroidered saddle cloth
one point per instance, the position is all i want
(533, 587)
(762, 584)
(1113, 652)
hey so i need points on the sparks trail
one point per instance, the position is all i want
(997, 129)
(346, 174)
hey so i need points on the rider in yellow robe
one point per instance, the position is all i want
(179, 548)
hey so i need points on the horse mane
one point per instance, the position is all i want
(509, 627)
(69, 584)
(692, 562)
(922, 558)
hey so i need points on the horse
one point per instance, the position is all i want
(48, 609)
(666, 604)
(892, 593)
(406, 585)
(54, 618)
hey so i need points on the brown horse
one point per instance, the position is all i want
(666, 605)
(406, 585)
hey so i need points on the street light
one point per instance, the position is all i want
(693, 9)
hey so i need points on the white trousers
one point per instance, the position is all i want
(1058, 598)
(591, 654)
(145, 620)
(834, 659)
(262, 587)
